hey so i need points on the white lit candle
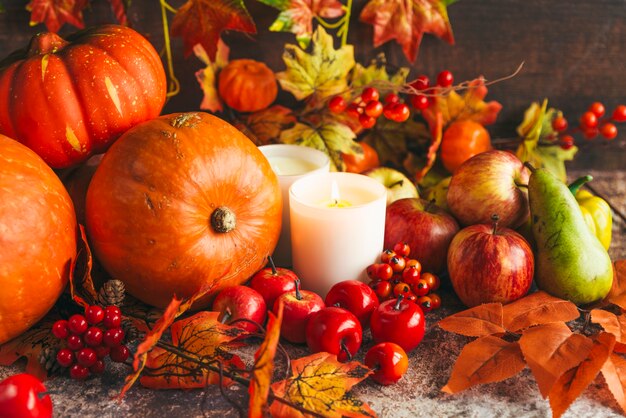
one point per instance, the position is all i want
(290, 163)
(332, 242)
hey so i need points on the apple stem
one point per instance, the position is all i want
(227, 315)
(530, 166)
(298, 294)
(397, 183)
(522, 185)
(272, 265)
(344, 348)
(398, 302)
(429, 205)
(495, 218)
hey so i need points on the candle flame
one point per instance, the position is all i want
(334, 192)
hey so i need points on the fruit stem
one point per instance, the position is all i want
(495, 218)
(298, 294)
(529, 166)
(344, 348)
(397, 183)
(578, 183)
(272, 265)
(398, 302)
(223, 219)
(226, 317)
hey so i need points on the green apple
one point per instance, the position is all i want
(439, 192)
(398, 185)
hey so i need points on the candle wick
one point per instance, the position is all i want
(336, 202)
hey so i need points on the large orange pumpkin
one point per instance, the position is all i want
(247, 85)
(68, 99)
(182, 201)
(37, 238)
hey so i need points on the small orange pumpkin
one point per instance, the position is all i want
(462, 140)
(247, 85)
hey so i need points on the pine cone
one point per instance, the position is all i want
(48, 359)
(111, 293)
(131, 333)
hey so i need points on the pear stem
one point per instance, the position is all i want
(495, 218)
(530, 166)
(272, 265)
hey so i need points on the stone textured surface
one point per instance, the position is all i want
(416, 395)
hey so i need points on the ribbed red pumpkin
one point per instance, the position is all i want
(37, 238)
(182, 201)
(247, 85)
(68, 99)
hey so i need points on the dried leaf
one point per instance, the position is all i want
(323, 73)
(537, 308)
(202, 22)
(479, 321)
(611, 323)
(266, 125)
(436, 133)
(207, 76)
(392, 140)
(571, 384)
(82, 290)
(614, 373)
(320, 383)
(486, 360)
(261, 380)
(552, 349)
(202, 338)
(55, 13)
(617, 295)
(296, 16)
(119, 10)
(406, 21)
(378, 71)
(468, 106)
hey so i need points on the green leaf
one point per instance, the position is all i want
(377, 71)
(392, 140)
(537, 146)
(328, 136)
(322, 73)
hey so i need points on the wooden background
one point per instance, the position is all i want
(574, 53)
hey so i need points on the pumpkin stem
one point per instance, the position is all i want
(46, 43)
(223, 219)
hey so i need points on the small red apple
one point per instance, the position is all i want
(240, 302)
(400, 322)
(334, 330)
(298, 305)
(425, 227)
(488, 263)
(356, 297)
(271, 282)
(490, 182)
(23, 395)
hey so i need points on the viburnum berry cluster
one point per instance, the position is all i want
(367, 107)
(89, 339)
(592, 123)
(396, 275)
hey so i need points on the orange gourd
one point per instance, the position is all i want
(247, 85)
(37, 238)
(462, 140)
(181, 202)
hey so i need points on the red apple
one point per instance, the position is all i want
(425, 227)
(490, 182)
(488, 263)
(271, 282)
(239, 302)
(399, 321)
(334, 330)
(356, 297)
(298, 305)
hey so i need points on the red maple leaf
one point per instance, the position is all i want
(406, 21)
(55, 13)
(202, 22)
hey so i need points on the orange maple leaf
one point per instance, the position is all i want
(617, 295)
(611, 323)
(412, 165)
(482, 320)
(320, 383)
(202, 21)
(552, 349)
(537, 308)
(82, 289)
(261, 380)
(485, 360)
(573, 382)
(55, 13)
(614, 373)
(265, 126)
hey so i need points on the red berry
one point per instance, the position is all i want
(421, 83)
(420, 102)
(559, 124)
(397, 263)
(608, 130)
(597, 109)
(93, 337)
(382, 271)
(414, 263)
(94, 314)
(392, 98)
(410, 275)
(337, 104)
(119, 354)
(65, 357)
(619, 114)
(77, 324)
(60, 329)
(354, 110)
(445, 78)
(421, 288)
(567, 142)
(79, 372)
(432, 281)
(590, 134)
(435, 301)
(425, 302)
(400, 112)
(382, 289)
(102, 351)
(389, 362)
(374, 108)
(112, 317)
(75, 342)
(367, 121)
(86, 357)
(369, 94)
(401, 289)
(402, 248)
(588, 120)
(98, 367)
(113, 337)
(387, 255)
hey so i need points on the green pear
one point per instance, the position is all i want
(571, 263)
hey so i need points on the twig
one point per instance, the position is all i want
(613, 208)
